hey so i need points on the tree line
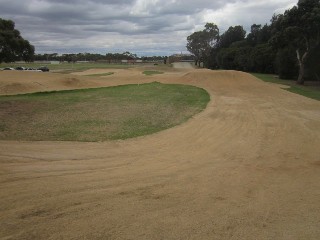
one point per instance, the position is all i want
(93, 57)
(289, 46)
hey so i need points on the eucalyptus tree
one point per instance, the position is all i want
(200, 43)
(299, 29)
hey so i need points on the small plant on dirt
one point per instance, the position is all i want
(100, 74)
(148, 73)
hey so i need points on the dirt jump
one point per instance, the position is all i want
(247, 167)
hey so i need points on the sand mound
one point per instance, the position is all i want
(220, 75)
(15, 88)
(72, 82)
(15, 82)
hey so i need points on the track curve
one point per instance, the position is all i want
(247, 167)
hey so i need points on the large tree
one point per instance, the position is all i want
(235, 51)
(299, 29)
(233, 34)
(12, 46)
(200, 43)
(195, 47)
(258, 34)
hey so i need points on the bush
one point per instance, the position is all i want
(286, 63)
(313, 64)
(262, 59)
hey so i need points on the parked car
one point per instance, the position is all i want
(8, 68)
(43, 69)
(20, 68)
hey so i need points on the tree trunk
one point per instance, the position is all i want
(302, 62)
(300, 80)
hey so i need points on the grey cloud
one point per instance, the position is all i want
(187, 7)
(106, 25)
(108, 2)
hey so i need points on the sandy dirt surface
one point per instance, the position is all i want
(247, 167)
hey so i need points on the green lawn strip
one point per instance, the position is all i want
(100, 74)
(271, 78)
(151, 72)
(307, 91)
(99, 114)
(68, 67)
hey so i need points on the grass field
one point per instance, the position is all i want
(68, 67)
(308, 90)
(99, 114)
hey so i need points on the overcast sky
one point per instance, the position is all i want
(144, 27)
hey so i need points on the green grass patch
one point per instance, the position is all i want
(99, 114)
(100, 74)
(308, 90)
(270, 78)
(151, 72)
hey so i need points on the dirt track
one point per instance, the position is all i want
(248, 167)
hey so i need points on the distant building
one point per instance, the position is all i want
(181, 58)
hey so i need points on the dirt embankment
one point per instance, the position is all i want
(247, 167)
(17, 82)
